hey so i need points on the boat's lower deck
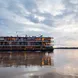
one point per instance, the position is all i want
(25, 48)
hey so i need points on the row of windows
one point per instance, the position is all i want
(21, 43)
(26, 39)
(25, 43)
(22, 47)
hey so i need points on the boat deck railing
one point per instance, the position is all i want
(26, 45)
(26, 41)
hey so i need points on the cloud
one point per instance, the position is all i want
(66, 24)
(48, 17)
(50, 6)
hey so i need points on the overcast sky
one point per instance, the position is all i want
(55, 18)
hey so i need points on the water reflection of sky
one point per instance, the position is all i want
(64, 63)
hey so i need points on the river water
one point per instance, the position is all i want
(62, 63)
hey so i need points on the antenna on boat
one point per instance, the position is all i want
(25, 35)
(16, 34)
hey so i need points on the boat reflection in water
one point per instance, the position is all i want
(8, 59)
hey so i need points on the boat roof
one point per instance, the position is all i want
(24, 37)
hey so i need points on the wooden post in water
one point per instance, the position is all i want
(25, 54)
(10, 55)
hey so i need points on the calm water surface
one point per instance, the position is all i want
(63, 63)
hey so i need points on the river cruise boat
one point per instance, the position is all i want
(27, 43)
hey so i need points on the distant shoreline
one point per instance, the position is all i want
(66, 48)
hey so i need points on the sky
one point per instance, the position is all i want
(55, 18)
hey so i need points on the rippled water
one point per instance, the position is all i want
(63, 63)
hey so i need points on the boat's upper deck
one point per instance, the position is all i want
(31, 39)
(6, 41)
